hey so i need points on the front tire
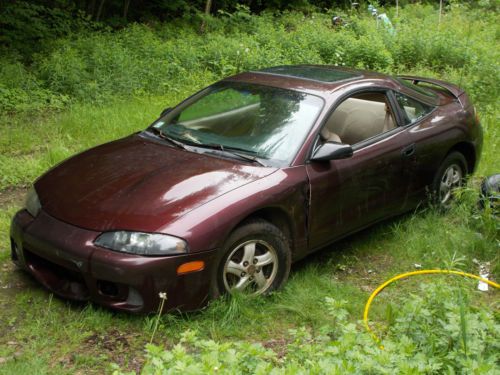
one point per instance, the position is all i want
(256, 260)
(450, 175)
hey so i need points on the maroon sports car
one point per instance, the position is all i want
(223, 192)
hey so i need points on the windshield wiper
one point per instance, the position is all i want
(233, 151)
(173, 141)
(214, 146)
(246, 157)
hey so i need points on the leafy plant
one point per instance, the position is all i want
(434, 331)
(93, 66)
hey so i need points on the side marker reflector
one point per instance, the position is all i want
(189, 267)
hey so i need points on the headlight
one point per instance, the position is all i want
(32, 203)
(142, 243)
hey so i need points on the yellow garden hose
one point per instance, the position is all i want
(414, 273)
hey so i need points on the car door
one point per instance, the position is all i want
(426, 128)
(349, 194)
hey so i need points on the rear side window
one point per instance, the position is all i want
(413, 110)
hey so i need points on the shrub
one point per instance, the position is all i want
(152, 59)
(28, 28)
(433, 331)
(21, 90)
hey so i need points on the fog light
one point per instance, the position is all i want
(107, 288)
(189, 267)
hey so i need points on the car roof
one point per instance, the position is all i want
(321, 80)
(311, 78)
(325, 74)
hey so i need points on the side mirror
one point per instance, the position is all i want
(332, 151)
(165, 111)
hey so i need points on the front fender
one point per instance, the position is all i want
(208, 226)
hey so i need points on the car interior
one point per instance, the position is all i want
(359, 117)
(245, 114)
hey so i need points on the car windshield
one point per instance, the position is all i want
(262, 121)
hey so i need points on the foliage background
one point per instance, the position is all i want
(69, 82)
(62, 60)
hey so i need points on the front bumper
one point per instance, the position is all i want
(63, 258)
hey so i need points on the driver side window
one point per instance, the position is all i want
(358, 118)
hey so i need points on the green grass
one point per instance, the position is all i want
(56, 336)
(39, 142)
(59, 338)
(42, 334)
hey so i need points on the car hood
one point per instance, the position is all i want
(137, 184)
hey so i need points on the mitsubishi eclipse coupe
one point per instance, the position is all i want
(223, 192)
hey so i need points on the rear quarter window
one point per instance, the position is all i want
(421, 89)
(412, 109)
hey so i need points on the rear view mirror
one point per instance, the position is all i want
(332, 151)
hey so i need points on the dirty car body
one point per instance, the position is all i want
(227, 189)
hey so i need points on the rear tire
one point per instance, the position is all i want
(255, 259)
(450, 175)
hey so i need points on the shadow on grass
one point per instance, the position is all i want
(353, 244)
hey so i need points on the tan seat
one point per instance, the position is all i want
(355, 120)
(329, 136)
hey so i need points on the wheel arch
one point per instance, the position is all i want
(277, 217)
(469, 153)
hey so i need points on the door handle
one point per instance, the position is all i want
(408, 150)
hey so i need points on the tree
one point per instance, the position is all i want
(208, 8)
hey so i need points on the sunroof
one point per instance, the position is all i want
(315, 73)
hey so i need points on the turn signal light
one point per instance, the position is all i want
(189, 267)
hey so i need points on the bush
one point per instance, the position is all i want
(28, 28)
(140, 59)
(21, 90)
(434, 331)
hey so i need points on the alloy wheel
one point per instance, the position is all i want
(251, 267)
(452, 178)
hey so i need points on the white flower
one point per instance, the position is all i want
(163, 295)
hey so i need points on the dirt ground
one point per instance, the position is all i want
(12, 197)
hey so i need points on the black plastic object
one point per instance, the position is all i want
(490, 193)
(332, 151)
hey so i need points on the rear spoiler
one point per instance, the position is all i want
(451, 88)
